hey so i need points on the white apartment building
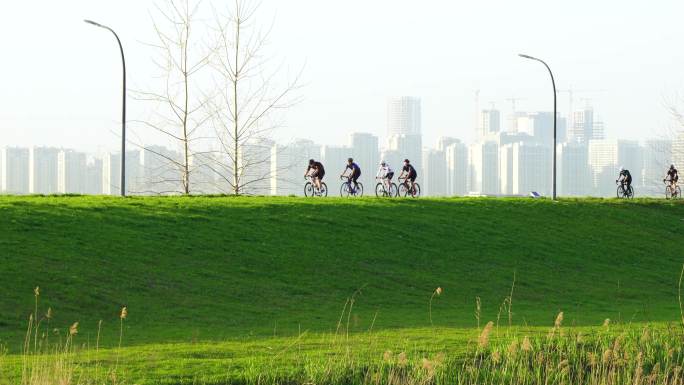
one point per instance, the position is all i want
(457, 169)
(525, 167)
(484, 167)
(71, 172)
(14, 170)
(43, 173)
(434, 173)
(111, 173)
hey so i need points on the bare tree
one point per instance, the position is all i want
(180, 113)
(245, 112)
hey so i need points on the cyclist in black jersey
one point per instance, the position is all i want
(672, 175)
(625, 178)
(409, 172)
(316, 171)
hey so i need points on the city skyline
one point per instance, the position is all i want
(71, 97)
(511, 157)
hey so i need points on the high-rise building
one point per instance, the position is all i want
(457, 168)
(490, 122)
(434, 173)
(484, 167)
(111, 173)
(160, 172)
(43, 170)
(288, 164)
(14, 170)
(586, 127)
(574, 176)
(542, 127)
(403, 116)
(525, 167)
(364, 150)
(71, 172)
(93, 177)
(445, 141)
(254, 162)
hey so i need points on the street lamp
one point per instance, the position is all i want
(123, 111)
(553, 83)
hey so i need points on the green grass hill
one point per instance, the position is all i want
(214, 268)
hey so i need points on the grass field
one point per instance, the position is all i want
(217, 287)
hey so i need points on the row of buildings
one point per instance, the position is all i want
(512, 160)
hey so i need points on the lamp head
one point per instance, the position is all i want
(525, 56)
(93, 23)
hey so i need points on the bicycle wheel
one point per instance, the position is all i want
(678, 193)
(668, 192)
(308, 189)
(403, 190)
(416, 191)
(359, 190)
(344, 190)
(324, 189)
(630, 192)
(380, 190)
(620, 192)
(394, 191)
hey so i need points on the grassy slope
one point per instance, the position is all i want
(213, 268)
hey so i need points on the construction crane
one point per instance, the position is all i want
(571, 98)
(513, 101)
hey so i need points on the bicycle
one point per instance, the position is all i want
(624, 193)
(310, 189)
(381, 189)
(405, 189)
(347, 189)
(672, 190)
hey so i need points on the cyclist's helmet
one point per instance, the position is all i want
(350, 160)
(672, 167)
(622, 169)
(383, 163)
(311, 161)
(407, 161)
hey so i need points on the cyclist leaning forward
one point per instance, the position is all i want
(625, 178)
(385, 173)
(317, 172)
(355, 172)
(672, 176)
(410, 173)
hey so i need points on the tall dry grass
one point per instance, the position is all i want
(53, 356)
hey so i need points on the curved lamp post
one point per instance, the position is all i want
(123, 112)
(553, 83)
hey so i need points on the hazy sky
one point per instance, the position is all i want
(60, 78)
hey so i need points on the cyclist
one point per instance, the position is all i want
(410, 173)
(317, 172)
(625, 178)
(385, 173)
(672, 176)
(355, 172)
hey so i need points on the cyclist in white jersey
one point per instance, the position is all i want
(385, 173)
